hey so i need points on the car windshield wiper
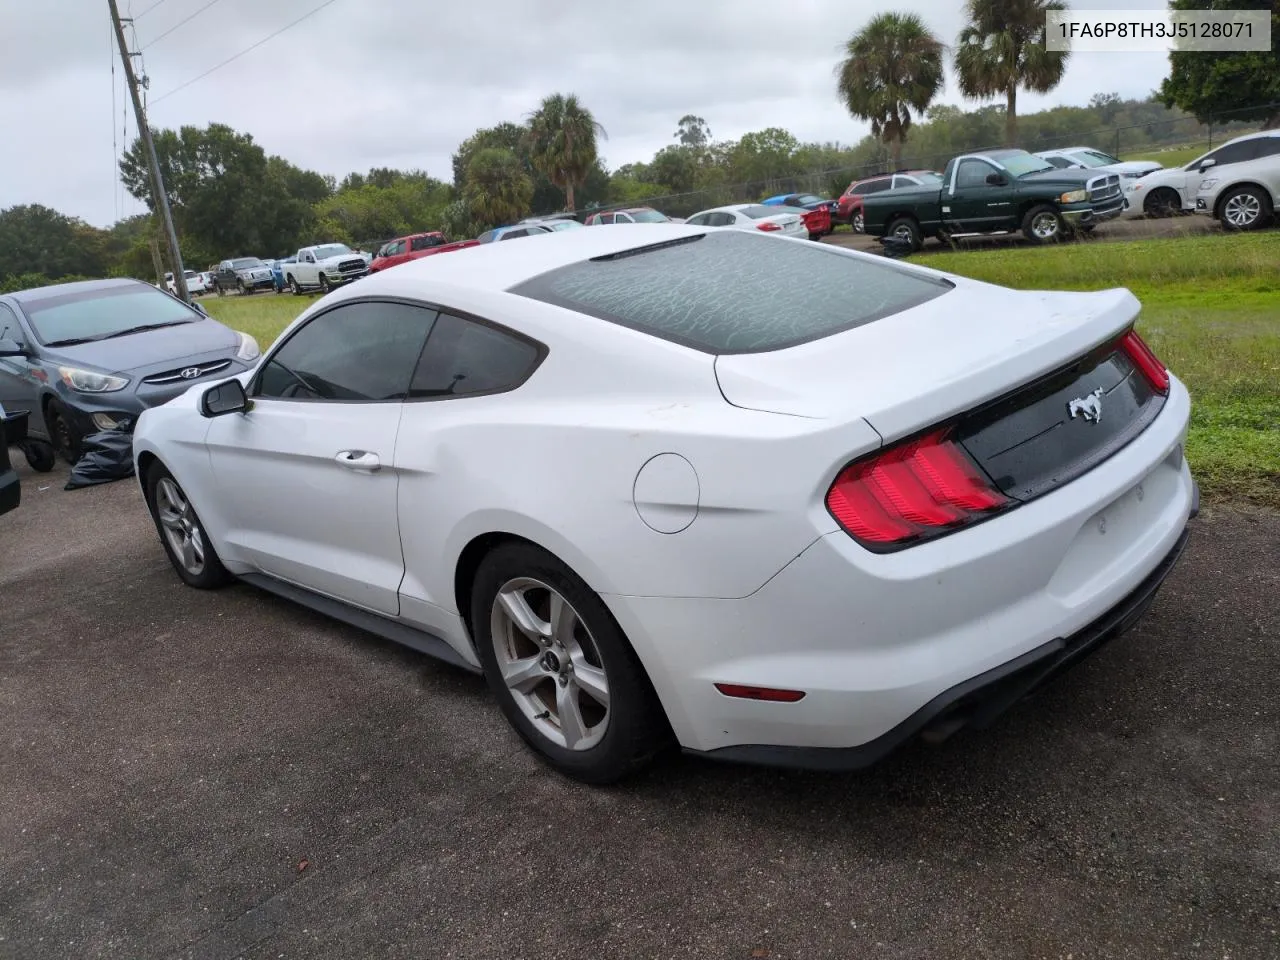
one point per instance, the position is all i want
(149, 326)
(71, 342)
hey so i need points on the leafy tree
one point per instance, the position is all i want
(893, 66)
(497, 190)
(1003, 47)
(692, 131)
(514, 137)
(765, 155)
(674, 167)
(39, 240)
(227, 195)
(1245, 84)
(563, 136)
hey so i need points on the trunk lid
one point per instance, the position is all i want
(918, 367)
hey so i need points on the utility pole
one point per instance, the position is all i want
(157, 182)
(155, 260)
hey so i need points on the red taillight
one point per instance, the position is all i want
(911, 492)
(770, 694)
(1145, 360)
(767, 225)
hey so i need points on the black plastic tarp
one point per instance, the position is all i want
(104, 457)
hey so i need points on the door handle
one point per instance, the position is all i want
(359, 460)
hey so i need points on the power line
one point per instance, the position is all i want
(179, 24)
(270, 36)
(149, 9)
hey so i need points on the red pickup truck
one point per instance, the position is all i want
(403, 249)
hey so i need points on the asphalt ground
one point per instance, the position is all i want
(221, 775)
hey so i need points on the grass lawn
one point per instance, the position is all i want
(1177, 157)
(1211, 310)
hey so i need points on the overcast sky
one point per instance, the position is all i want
(398, 83)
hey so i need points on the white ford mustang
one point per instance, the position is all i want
(774, 500)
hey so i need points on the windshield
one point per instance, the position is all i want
(333, 250)
(808, 198)
(1020, 164)
(760, 211)
(246, 263)
(555, 225)
(93, 314)
(190, 274)
(734, 291)
(647, 216)
(1092, 158)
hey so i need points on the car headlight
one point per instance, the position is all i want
(1131, 176)
(1074, 196)
(1207, 185)
(246, 347)
(86, 381)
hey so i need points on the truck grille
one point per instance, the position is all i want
(191, 372)
(349, 266)
(1104, 188)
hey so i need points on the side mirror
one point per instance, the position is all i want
(198, 306)
(1207, 164)
(224, 398)
(996, 179)
(12, 348)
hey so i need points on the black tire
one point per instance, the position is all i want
(62, 432)
(240, 287)
(1033, 224)
(41, 457)
(325, 286)
(636, 730)
(1245, 208)
(1162, 202)
(212, 573)
(293, 286)
(906, 229)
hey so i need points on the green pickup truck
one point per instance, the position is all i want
(996, 191)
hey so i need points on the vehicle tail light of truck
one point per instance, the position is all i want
(1136, 349)
(913, 491)
(767, 225)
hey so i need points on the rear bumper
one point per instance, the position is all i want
(873, 639)
(975, 703)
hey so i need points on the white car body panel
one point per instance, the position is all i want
(790, 224)
(1260, 172)
(760, 585)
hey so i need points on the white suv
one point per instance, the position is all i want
(1240, 184)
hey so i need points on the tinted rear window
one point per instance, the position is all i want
(734, 292)
(760, 210)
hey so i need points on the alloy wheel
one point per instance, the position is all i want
(1045, 226)
(549, 661)
(181, 530)
(859, 224)
(1242, 210)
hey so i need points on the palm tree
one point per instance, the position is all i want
(1002, 48)
(893, 66)
(497, 189)
(562, 136)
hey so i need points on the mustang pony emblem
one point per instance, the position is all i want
(1089, 406)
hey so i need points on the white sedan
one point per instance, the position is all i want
(752, 216)
(667, 484)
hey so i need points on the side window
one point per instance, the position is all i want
(467, 358)
(10, 328)
(486, 237)
(701, 220)
(878, 186)
(513, 234)
(858, 191)
(1060, 162)
(395, 248)
(424, 243)
(973, 173)
(1236, 152)
(623, 218)
(1268, 147)
(606, 218)
(355, 352)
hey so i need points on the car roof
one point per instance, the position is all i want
(500, 266)
(79, 286)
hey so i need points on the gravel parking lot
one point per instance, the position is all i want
(227, 775)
